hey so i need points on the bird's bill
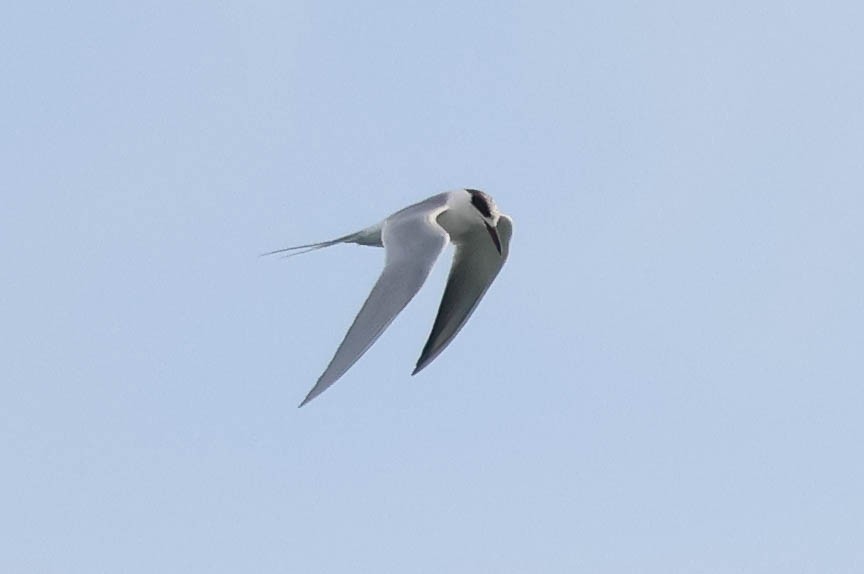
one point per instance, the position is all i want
(494, 234)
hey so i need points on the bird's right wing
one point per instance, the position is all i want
(413, 241)
(475, 265)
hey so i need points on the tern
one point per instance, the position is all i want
(413, 238)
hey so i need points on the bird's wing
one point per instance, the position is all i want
(412, 240)
(475, 265)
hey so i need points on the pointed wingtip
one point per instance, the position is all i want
(306, 400)
(312, 394)
(309, 396)
(425, 359)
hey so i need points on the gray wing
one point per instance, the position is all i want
(413, 242)
(475, 266)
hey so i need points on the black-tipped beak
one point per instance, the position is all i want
(494, 234)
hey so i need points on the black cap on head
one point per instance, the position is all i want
(481, 201)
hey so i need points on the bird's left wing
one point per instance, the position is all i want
(412, 240)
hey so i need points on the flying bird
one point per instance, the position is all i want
(413, 238)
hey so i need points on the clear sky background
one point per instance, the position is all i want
(666, 377)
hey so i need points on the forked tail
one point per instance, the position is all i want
(368, 236)
(309, 247)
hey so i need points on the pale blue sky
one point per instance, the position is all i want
(666, 377)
